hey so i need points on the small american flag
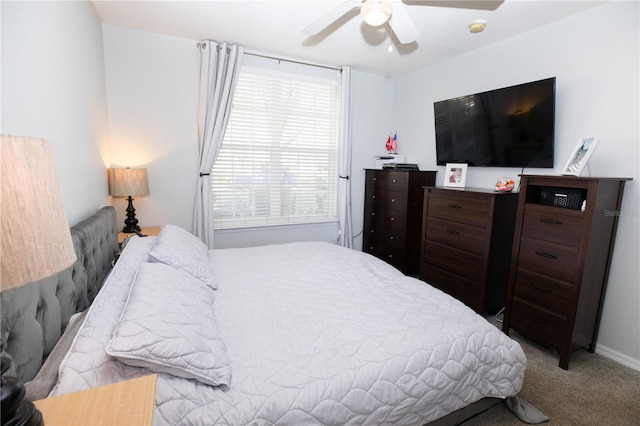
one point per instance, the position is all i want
(394, 142)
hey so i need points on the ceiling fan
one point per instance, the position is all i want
(378, 12)
(374, 13)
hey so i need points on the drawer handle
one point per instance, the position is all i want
(391, 238)
(453, 232)
(392, 219)
(393, 180)
(372, 231)
(551, 221)
(547, 255)
(393, 200)
(453, 206)
(536, 319)
(390, 256)
(373, 196)
(546, 290)
(373, 213)
(375, 178)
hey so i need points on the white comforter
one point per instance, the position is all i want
(315, 334)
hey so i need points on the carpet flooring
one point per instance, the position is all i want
(595, 391)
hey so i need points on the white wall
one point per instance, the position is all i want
(372, 122)
(152, 92)
(152, 103)
(594, 57)
(53, 87)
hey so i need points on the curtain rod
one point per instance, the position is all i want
(261, 55)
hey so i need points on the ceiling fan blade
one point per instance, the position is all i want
(459, 4)
(331, 16)
(402, 25)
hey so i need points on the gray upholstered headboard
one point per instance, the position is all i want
(35, 316)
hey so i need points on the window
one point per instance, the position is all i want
(278, 160)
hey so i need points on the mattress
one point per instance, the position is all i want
(314, 334)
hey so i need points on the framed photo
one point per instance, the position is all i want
(455, 174)
(580, 156)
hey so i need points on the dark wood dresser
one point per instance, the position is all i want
(393, 216)
(466, 244)
(562, 248)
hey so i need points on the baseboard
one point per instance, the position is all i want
(618, 357)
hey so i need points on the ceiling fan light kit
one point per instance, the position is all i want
(376, 12)
(477, 26)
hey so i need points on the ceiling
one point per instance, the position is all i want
(275, 27)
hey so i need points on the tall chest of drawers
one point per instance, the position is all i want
(563, 241)
(392, 216)
(466, 244)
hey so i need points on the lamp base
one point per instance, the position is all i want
(16, 411)
(131, 223)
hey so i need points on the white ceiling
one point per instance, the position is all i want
(275, 27)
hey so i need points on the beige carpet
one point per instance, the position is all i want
(594, 391)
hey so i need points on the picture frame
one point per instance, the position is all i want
(580, 156)
(455, 174)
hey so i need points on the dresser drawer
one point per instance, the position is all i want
(395, 181)
(382, 217)
(556, 226)
(460, 207)
(545, 327)
(395, 200)
(455, 234)
(465, 264)
(538, 290)
(465, 291)
(387, 236)
(391, 255)
(552, 260)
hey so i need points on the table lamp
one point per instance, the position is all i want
(128, 182)
(36, 241)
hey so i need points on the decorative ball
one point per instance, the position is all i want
(505, 184)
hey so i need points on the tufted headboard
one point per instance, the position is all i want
(35, 316)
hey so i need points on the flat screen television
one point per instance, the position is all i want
(508, 127)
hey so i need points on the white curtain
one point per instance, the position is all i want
(219, 70)
(344, 165)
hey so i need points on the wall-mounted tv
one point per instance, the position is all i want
(508, 127)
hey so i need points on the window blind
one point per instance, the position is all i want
(278, 160)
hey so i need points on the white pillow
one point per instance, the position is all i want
(181, 249)
(168, 326)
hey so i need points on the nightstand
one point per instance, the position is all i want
(124, 403)
(152, 230)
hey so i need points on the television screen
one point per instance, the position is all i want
(509, 127)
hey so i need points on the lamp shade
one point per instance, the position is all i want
(36, 240)
(128, 182)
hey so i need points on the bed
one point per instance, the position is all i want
(298, 333)
(34, 317)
